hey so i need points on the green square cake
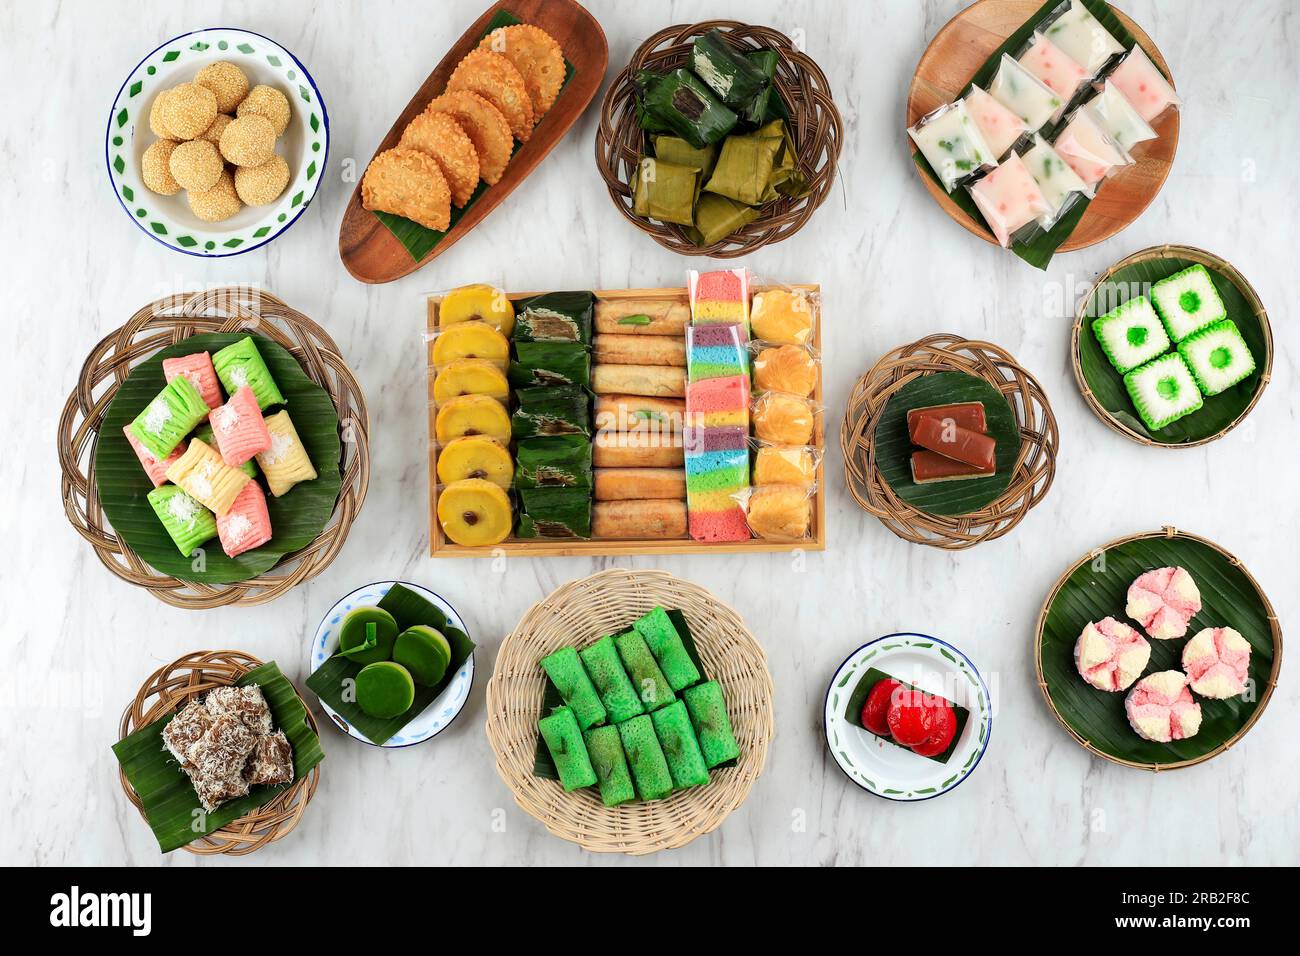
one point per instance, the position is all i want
(1163, 391)
(667, 647)
(708, 710)
(620, 698)
(681, 749)
(172, 415)
(566, 672)
(1218, 356)
(564, 740)
(1131, 335)
(605, 748)
(646, 758)
(641, 666)
(1188, 301)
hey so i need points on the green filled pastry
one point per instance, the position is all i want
(668, 649)
(612, 683)
(646, 758)
(644, 670)
(188, 523)
(171, 416)
(566, 672)
(568, 751)
(681, 749)
(605, 749)
(708, 712)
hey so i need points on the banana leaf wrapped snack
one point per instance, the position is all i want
(666, 191)
(680, 101)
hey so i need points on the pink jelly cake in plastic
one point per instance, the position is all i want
(247, 524)
(1160, 708)
(198, 369)
(240, 431)
(155, 469)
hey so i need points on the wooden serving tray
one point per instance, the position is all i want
(962, 46)
(440, 547)
(368, 250)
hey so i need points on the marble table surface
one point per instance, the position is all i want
(893, 268)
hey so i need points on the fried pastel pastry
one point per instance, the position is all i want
(486, 128)
(440, 136)
(536, 56)
(406, 182)
(495, 78)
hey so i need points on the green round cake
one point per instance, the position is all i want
(423, 651)
(385, 690)
(367, 625)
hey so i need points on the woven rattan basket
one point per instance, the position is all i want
(1034, 469)
(577, 614)
(1269, 686)
(170, 688)
(166, 322)
(815, 125)
(1215, 264)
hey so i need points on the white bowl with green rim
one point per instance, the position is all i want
(887, 769)
(304, 145)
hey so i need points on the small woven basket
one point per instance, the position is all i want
(1214, 264)
(166, 322)
(578, 613)
(170, 688)
(1035, 465)
(1269, 686)
(815, 126)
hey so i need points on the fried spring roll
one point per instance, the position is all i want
(642, 316)
(639, 350)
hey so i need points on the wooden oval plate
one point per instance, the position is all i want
(962, 46)
(368, 249)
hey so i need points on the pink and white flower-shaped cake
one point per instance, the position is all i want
(1163, 601)
(1216, 661)
(1160, 708)
(1110, 655)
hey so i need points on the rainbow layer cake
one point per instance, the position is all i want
(716, 351)
(720, 297)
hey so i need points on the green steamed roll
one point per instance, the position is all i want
(666, 645)
(605, 750)
(620, 698)
(566, 672)
(646, 758)
(569, 753)
(647, 678)
(681, 749)
(708, 712)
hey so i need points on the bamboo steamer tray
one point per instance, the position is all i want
(578, 613)
(373, 254)
(962, 46)
(440, 547)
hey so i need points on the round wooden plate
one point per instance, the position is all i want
(961, 48)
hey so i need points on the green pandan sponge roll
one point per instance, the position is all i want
(566, 672)
(568, 751)
(669, 650)
(620, 698)
(646, 758)
(708, 712)
(605, 749)
(681, 749)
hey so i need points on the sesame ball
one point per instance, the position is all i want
(268, 102)
(259, 185)
(215, 204)
(213, 133)
(154, 171)
(248, 141)
(226, 81)
(196, 164)
(156, 125)
(188, 110)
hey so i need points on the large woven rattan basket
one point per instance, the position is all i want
(815, 126)
(170, 688)
(579, 613)
(166, 322)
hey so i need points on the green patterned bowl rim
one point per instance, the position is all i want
(947, 658)
(128, 113)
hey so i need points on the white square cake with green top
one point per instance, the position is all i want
(1131, 334)
(1163, 391)
(1187, 302)
(1218, 356)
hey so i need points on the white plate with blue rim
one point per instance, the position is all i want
(304, 145)
(882, 767)
(444, 708)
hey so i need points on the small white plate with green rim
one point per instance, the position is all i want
(883, 767)
(304, 145)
